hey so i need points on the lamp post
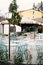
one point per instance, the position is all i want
(9, 39)
(8, 16)
(34, 29)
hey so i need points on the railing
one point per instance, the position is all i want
(3, 53)
(3, 49)
(39, 36)
(20, 44)
(39, 49)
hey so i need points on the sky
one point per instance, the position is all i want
(22, 5)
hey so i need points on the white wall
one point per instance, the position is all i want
(6, 29)
(18, 28)
(1, 29)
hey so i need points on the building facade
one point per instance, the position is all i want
(31, 13)
(34, 15)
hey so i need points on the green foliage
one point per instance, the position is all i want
(4, 34)
(18, 58)
(40, 57)
(13, 7)
(39, 6)
(24, 34)
(28, 56)
(27, 29)
(3, 54)
(15, 16)
(21, 55)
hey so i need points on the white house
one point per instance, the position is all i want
(4, 27)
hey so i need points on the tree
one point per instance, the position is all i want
(34, 6)
(15, 15)
(41, 6)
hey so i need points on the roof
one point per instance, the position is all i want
(25, 20)
(30, 9)
(4, 22)
(39, 20)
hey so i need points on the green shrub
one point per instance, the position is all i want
(18, 58)
(39, 57)
(3, 54)
(28, 56)
(4, 34)
(24, 34)
(21, 55)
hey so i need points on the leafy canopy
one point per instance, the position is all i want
(15, 15)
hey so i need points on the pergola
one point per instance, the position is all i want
(4, 22)
(38, 21)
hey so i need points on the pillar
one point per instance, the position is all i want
(42, 28)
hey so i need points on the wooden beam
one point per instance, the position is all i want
(42, 28)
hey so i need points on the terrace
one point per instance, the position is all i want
(26, 44)
(22, 43)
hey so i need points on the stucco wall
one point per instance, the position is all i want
(30, 14)
(6, 29)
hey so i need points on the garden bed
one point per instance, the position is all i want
(3, 63)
